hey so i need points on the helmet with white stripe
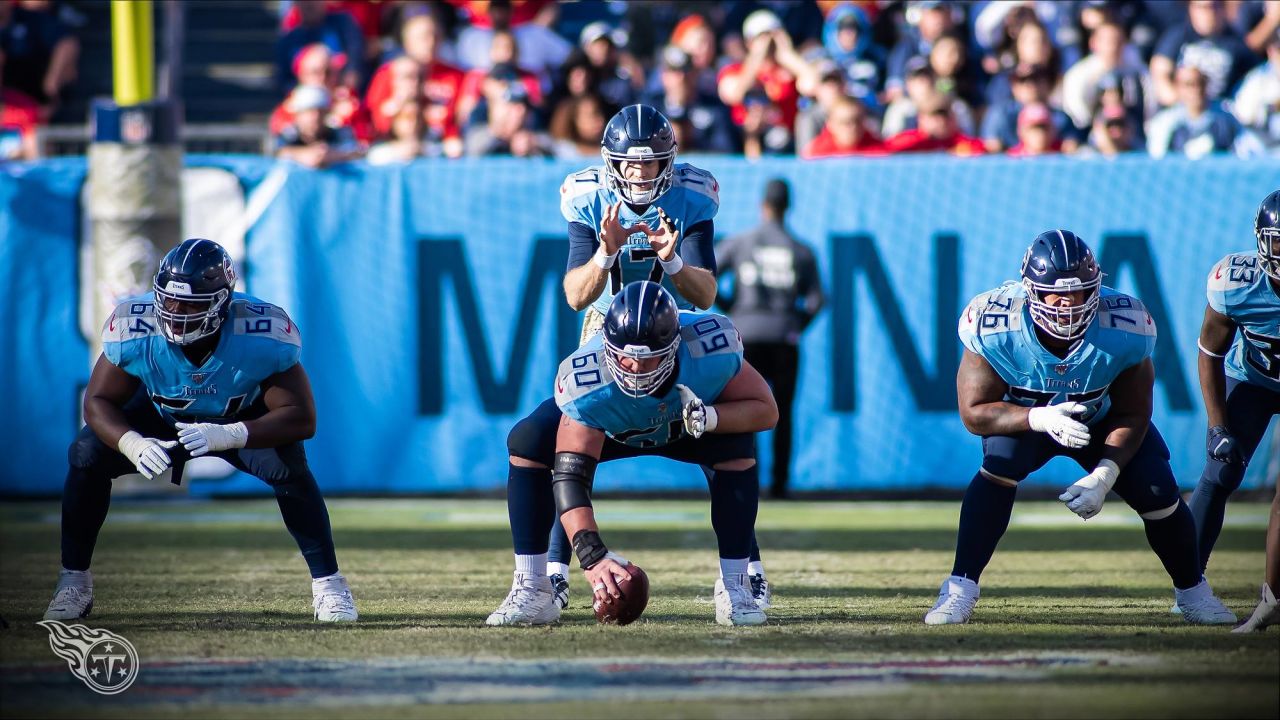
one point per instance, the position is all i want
(643, 325)
(1060, 263)
(193, 290)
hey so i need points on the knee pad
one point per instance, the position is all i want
(86, 450)
(267, 465)
(533, 439)
(1227, 476)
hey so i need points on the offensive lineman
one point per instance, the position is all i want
(195, 369)
(654, 381)
(1060, 365)
(1240, 383)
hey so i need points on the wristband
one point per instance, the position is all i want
(589, 548)
(672, 266)
(1107, 472)
(127, 440)
(603, 260)
(713, 419)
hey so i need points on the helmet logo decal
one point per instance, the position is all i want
(178, 287)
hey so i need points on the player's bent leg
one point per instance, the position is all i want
(735, 500)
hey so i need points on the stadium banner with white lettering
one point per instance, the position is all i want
(430, 303)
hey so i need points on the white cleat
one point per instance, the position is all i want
(331, 598)
(734, 603)
(1267, 613)
(531, 601)
(1200, 606)
(955, 603)
(760, 591)
(73, 598)
(560, 587)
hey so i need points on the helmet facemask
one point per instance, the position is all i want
(1269, 251)
(638, 192)
(186, 328)
(639, 384)
(1063, 323)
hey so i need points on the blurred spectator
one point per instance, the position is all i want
(504, 56)
(41, 52)
(317, 24)
(927, 20)
(710, 128)
(407, 140)
(1112, 134)
(846, 133)
(1109, 52)
(1030, 86)
(577, 126)
(846, 37)
(1257, 22)
(998, 22)
(318, 65)
(776, 292)
(1036, 133)
(695, 37)
(617, 76)
(1033, 46)
(1206, 41)
(370, 15)
(1196, 125)
(801, 19)
(951, 72)
(19, 116)
(308, 140)
(901, 113)
(440, 83)
(509, 131)
(813, 110)
(937, 131)
(763, 90)
(1257, 105)
(542, 51)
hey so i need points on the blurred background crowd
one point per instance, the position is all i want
(399, 79)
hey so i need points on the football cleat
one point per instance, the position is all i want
(1267, 613)
(331, 599)
(532, 601)
(73, 598)
(956, 599)
(560, 588)
(1200, 606)
(760, 591)
(734, 603)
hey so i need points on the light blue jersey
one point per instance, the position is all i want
(709, 356)
(1239, 289)
(997, 325)
(694, 197)
(256, 340)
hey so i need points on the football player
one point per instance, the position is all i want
(1240, 382)
(638, 216)
(193, 369)
(655, 381)
(1060, 365)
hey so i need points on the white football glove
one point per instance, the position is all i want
(699, 418)
(1086, 495)
(147, 454)
(202, 438)
(1057, 421)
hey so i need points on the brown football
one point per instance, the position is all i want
(625, 609)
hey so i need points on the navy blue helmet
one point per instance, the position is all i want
(193, 290)
(1059, 262)
(1266, 228)
(639, 133)
(643, 322)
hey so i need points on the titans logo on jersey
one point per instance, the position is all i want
(1239, 289)
(709, 356)
(257, 340)
(997, 325)
(693, 198)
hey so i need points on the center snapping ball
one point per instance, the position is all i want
(627, 608)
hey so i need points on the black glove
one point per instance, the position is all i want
(1222, 446)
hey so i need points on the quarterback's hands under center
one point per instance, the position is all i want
(662, 240)
(604, 577)
(612, 234)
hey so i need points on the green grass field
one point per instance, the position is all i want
(1074, 619)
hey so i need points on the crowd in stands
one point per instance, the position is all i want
(401, 79)
(39, 52)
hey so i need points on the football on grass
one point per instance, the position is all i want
(627, 608)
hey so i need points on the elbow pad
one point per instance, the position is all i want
(571, 480)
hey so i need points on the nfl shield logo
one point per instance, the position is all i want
(198, 378)
(1061, 369)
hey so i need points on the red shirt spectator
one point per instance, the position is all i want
(366, 13)
(319, 66)
(937, 132)
(1036, 135)
(845, 133)
(19, 116)
(477, 11)
(441, 83)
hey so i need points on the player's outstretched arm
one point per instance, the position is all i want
(592, 254)
(108, 390)
(1216, 333)
(981, 391)
(291, 410)
(577, 452)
